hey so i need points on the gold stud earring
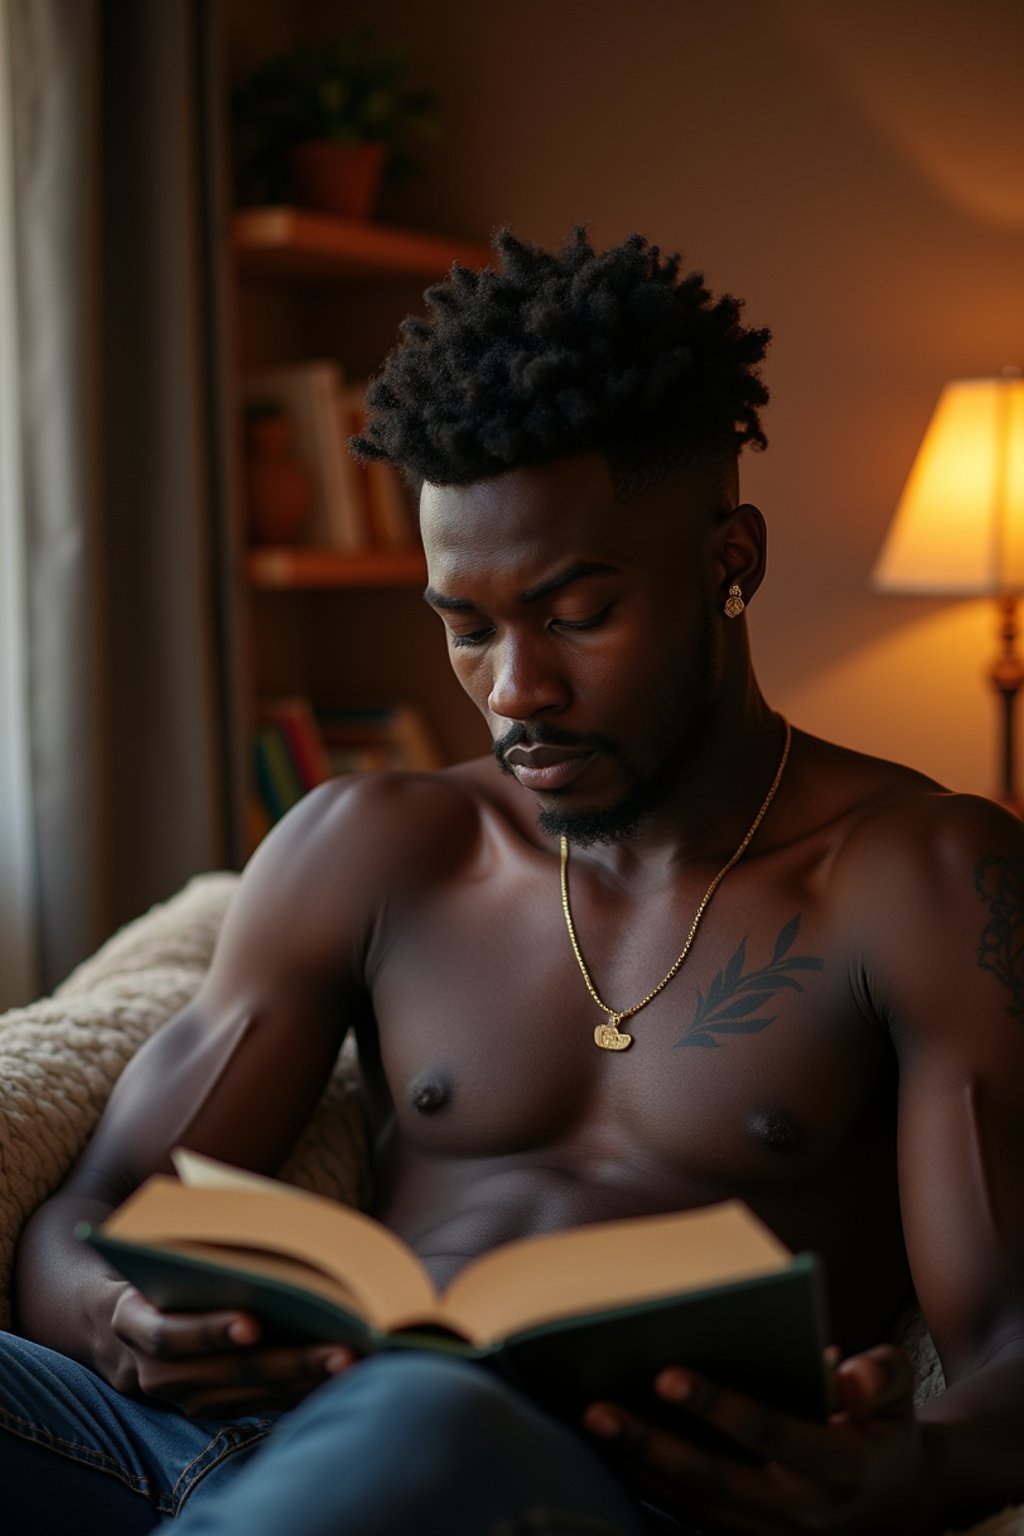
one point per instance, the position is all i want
(734, 604)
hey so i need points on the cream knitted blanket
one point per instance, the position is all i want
(60, 1057)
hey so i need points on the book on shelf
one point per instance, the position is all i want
(386, 736)
(297, 747)
(390, 508)
(277, 779)
(310, 393)
(592, 1311)
(293, 718)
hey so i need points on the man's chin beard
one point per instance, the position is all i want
(610, 824)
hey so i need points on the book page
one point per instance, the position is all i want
(382, 1274)
(610, 1264)
(201, 1172)
(275, 1266)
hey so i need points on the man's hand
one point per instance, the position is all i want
(211, 1364)
(862, 1471)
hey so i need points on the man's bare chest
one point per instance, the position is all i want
(756, 1065)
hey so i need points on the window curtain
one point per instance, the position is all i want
(126, 504)
(18, 959)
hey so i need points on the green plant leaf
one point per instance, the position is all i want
(351, 90)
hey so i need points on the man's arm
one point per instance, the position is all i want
(951, 976)
(235, 1075)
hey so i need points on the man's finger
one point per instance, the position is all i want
(753, 1498)
(687, 1468)
(245, 1382)
(768, 1434)
(174, 1335)
(253, 1368)
(879, 1381)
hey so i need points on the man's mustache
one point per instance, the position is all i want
(541, 735)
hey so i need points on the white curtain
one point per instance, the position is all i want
(125, 507)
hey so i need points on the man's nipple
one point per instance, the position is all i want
(430, 1091)
(777, 1129)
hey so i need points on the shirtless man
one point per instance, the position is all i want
(841, 1044)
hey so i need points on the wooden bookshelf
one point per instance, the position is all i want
(301, 567)
(291, 242)
(331, 627)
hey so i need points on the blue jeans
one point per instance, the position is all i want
(405, 1444)
(77, 1456)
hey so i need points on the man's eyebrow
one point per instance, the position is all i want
(575, 572)
(454, 604)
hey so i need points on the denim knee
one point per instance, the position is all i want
(442, 1391)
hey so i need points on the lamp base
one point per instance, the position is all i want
(1007, 677)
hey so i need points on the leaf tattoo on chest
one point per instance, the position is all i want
(1000, 884)
(735, 999)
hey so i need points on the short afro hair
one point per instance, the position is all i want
(567, 352)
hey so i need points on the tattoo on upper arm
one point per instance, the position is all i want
(1000, 884)
(733, 997)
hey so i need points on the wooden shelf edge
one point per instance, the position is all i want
(283, 241)
(280, 568)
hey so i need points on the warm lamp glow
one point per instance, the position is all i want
(959, 524)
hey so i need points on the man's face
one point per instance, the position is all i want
(582, 629)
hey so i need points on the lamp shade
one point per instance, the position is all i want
(959, 524)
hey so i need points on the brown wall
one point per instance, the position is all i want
(855, 170)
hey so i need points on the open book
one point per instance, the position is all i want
(592, 1311)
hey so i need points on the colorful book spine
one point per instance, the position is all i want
(294, 715)
(391, 736)
(296, 747)
(277, 781)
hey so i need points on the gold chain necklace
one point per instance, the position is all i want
(608, 1035)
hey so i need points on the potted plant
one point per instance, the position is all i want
(278, 490)
(325, 124)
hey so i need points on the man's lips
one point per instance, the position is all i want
(544, 768)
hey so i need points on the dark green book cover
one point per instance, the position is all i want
(764, 1336)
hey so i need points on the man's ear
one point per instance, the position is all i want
(740, 552)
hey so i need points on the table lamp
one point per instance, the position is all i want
(958, 529)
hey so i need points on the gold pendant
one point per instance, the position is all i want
(609, 1037)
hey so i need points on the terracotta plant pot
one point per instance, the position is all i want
(343, 179)
(277, 486)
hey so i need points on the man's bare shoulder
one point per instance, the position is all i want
(385, 831)
(917, 873)
(312, 896)
(882, 810)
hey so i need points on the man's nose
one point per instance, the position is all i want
(525, 684)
